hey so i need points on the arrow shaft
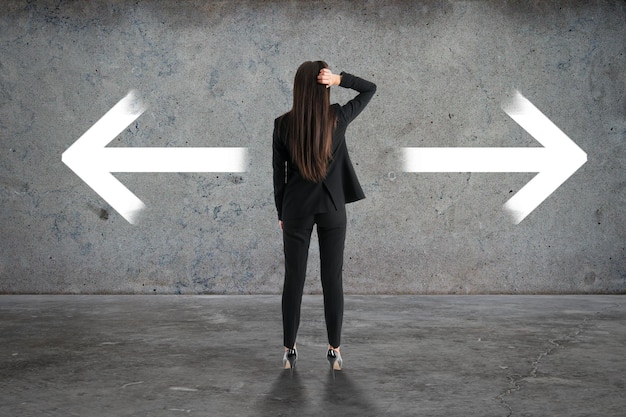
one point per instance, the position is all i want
(222, 159)
(477, 159)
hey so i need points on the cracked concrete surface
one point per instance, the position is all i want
(221, 355)
(573, 352)
(535, 375)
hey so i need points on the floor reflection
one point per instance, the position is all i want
(287, 396)
(343, 394)
(309, 395)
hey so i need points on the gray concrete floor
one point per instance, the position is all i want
(221, 356)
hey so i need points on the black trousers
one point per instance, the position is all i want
(331, 232)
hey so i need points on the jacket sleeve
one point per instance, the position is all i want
(366, 90)
(279, 160)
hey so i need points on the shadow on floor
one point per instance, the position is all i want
(291, 396)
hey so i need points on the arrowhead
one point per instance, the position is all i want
(565, 156)
(82, 157)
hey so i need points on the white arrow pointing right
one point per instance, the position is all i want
(555, 162)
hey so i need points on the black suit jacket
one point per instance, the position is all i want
(297, 197)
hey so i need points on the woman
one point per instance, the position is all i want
(313, 181)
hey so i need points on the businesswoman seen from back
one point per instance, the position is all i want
(313, 181)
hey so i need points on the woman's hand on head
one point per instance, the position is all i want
(327, 78)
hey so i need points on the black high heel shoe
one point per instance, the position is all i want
(334, 358)
(289, 359)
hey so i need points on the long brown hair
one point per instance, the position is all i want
(311, 123)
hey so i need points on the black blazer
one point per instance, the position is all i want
(297, 197)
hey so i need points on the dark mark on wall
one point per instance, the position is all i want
(102, 213)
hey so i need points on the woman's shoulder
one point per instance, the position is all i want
(282, 117)
(280, 128)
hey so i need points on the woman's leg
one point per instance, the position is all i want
(296, 239)
(331, 231)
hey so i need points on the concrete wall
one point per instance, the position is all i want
(215, 74)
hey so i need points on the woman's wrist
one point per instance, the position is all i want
(337, 79)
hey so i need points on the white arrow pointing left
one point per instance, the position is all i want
(93, 163)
